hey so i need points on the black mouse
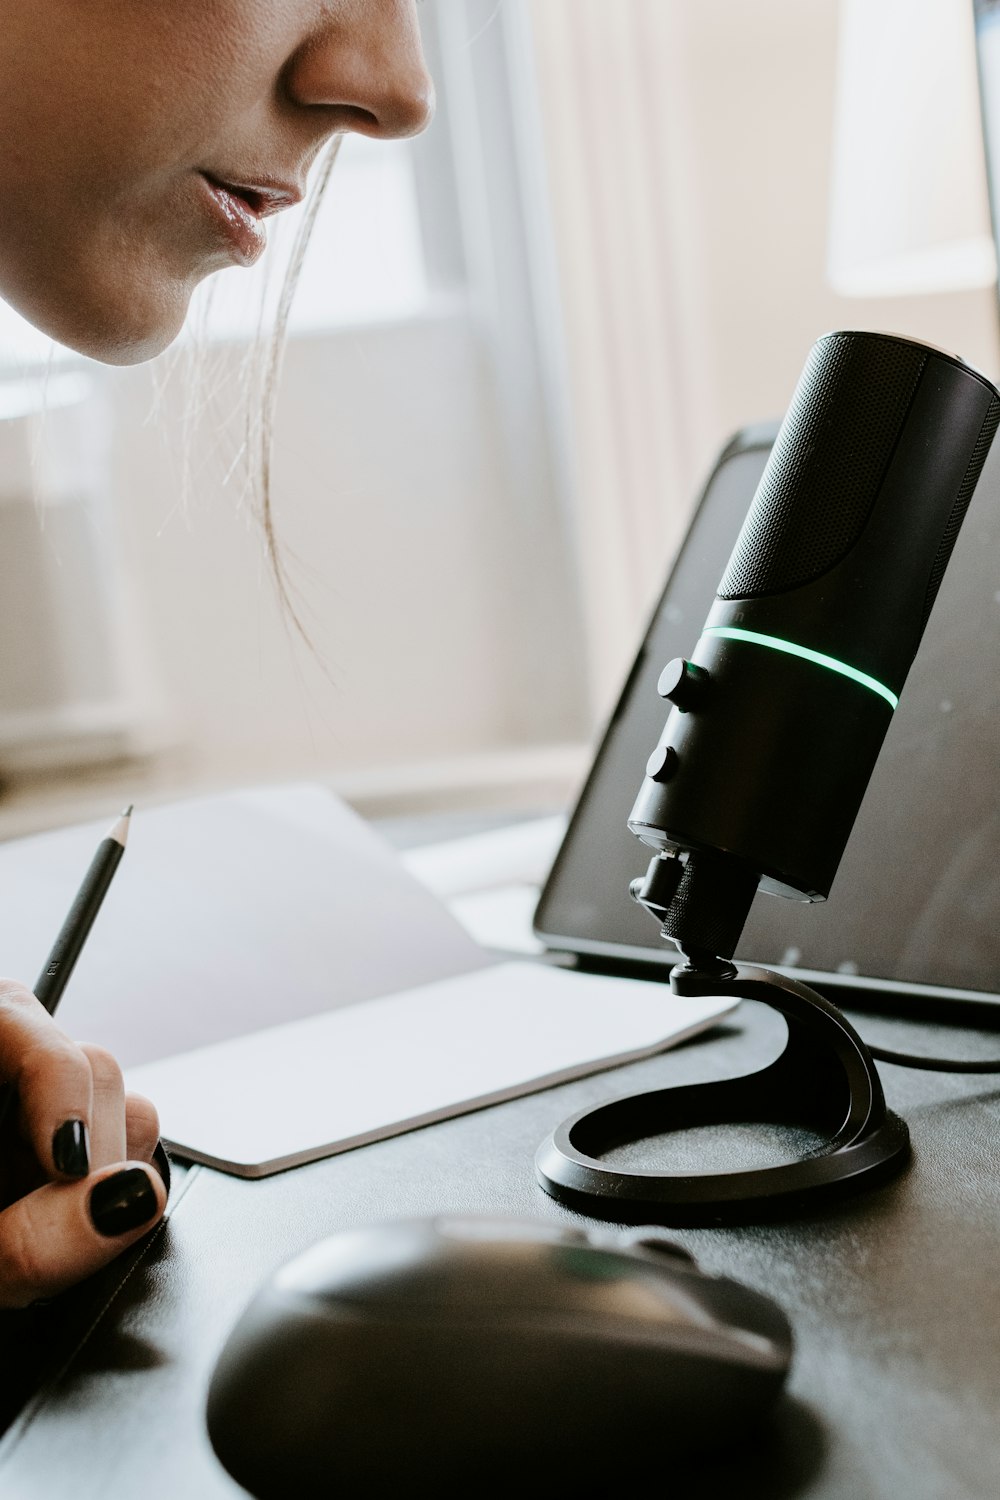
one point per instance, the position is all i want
(452, 1349)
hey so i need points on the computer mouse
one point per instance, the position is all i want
(450, 1349)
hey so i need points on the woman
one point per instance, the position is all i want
(142, 142)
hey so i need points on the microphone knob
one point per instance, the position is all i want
(683, 684)
(662, 764)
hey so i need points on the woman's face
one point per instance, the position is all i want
(143, 141)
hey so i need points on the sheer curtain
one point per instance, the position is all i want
(613, 96)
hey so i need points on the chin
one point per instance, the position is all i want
(126, 347)
(126, 327)
(130, 332)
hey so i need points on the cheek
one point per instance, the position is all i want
(101, 238)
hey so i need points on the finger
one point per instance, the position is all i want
(107, 1119)
(53, 1081)
(65, 1231)
(142, 1127)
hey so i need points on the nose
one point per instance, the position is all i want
(365, 68)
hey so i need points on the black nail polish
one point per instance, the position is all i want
(122, 1202)
(71, 1149)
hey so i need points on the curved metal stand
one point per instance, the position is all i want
(824, 1080)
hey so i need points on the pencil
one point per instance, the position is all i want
(73, 934)
(86, 904)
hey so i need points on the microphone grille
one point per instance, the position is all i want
(853, 382)
(961, 505)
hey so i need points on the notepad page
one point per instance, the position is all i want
(320, 1086)
(229, 914)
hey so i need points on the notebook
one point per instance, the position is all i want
(268, 972)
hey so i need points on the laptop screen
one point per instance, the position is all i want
(917, 896)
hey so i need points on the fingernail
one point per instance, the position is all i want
(71, 1149)
(122, 1202)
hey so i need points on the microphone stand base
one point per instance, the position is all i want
(825, 1080)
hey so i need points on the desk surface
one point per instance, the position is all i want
(895, 1389)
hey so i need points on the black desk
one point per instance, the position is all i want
(896, 1386)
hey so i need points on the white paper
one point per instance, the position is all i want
(500, 919)
(318, 1086)
(228, 914)
(516, 854)
(269, 973)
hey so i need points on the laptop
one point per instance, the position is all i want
(913, 919)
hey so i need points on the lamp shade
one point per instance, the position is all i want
(909, 209)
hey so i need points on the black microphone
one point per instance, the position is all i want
(780, 712)
(777, 721)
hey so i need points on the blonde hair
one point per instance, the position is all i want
(263, 398)
(206, 375)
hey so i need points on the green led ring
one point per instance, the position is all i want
(790, 648)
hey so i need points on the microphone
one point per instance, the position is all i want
(777, 720)
(780, 712)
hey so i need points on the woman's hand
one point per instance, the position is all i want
(76, 1184)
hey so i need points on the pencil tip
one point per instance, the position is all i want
(121, 826)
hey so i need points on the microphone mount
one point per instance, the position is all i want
(825, 1081)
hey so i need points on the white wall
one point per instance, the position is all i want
(688, 152)
(430, 610)
(761, 127)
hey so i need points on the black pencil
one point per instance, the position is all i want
(86, 904)
(73, 934)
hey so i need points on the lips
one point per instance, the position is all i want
(263, 198)
(239, 225)
(239, 208)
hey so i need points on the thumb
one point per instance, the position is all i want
(65, 1231)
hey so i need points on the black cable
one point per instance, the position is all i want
(934, 1064)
